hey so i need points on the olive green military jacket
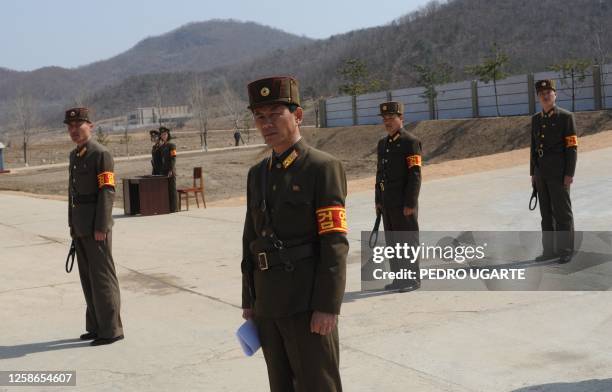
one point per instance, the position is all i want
(156, 159)
(168, 159)
(398, 170)
(91, 190)
(553, 144)
(305, 196)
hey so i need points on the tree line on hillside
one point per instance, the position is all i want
(440, 43)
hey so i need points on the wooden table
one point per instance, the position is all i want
(146, 195)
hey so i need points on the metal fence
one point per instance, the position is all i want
(471, 99)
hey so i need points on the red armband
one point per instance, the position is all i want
(331, 219)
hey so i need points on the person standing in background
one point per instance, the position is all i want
(168, 165)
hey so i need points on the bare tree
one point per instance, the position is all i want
(601, 55)
(491, 69)
(25, 119)
(234, 106)
(199, 108)
(126, 137)
(247, 125)
(429, 76)
(81, 97)
(158, 96)
(102, 136)
(576, 71)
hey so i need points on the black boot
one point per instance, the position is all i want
(103, 341)
(412, 286)
(403, 286)
(546, 257)
(565, 258)
(89, 336)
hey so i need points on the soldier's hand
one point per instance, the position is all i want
(99, 235)
(323, 323)
(247, 313)
(378, 207)
(409, 211)
(532, 180)
(567, 181)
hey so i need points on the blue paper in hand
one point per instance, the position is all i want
(248, 338)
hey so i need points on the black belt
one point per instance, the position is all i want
(84, 199)
(284, 256)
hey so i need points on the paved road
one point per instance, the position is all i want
(180, 284)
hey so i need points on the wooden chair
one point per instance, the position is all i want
(197, 189)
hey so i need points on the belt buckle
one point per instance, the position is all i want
(540, 152)
(262, 261)
(382, 186)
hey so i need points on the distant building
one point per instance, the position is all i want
(151, 115)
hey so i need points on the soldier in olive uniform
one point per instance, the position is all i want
(398, 182)
(155, 152)
(554, 154)
(294, 246)
(91, 195)
(168, 165)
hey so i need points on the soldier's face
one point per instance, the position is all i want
(547, 98)
(277, 125)
(80, 131)
(164, 137)
(393, 122)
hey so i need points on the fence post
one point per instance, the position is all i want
(1, 157)
(475, 112)
(597, 87)
(354, 106)
(531, 94)
(322, 113)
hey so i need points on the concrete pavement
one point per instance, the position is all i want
(180, 282)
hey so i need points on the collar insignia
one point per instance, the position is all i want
(290, 159)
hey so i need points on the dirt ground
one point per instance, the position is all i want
(54, 147)
(451, 147)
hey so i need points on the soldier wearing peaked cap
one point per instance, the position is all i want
(155, 152)
(294, 246)
(398, 183)
(91, 195)
(554, 145)
(167, 151)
